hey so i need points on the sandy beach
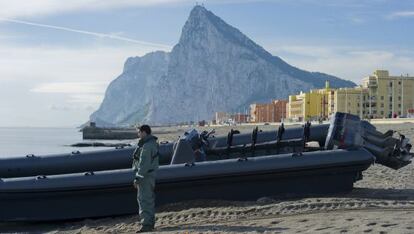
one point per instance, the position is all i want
(383, 202)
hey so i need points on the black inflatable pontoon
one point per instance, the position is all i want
(111, 193)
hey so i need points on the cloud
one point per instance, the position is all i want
(348, 62)
(78, 93)
(400, 14)
(95, 34)
(71, 87)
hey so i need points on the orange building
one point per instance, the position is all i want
(268, 112)
(240, 118)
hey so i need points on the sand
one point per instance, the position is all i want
(383, 202)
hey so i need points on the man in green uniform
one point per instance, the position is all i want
(145, 165)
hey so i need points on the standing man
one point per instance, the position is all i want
(145, 165)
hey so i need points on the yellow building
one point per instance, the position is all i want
(388, 96)
(310, 106)
(351, 100)
(379, 96)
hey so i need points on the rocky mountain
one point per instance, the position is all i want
(214, 67)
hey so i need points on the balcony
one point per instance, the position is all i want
(372, 84)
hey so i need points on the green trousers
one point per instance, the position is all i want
(146, 200)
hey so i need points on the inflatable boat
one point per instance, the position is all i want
(110, 193)
(236, 167)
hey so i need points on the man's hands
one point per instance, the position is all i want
(136, 180)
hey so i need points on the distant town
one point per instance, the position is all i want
(380, 95)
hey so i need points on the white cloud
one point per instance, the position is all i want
(400, 14)
(348, 62)
(79, 93)
(71, 87)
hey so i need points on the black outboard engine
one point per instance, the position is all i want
(347, 131)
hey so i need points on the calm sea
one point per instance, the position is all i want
(16, 142)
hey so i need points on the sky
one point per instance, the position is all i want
(57, 57)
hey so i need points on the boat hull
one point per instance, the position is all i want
(111, 193)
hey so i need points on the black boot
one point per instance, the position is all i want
(145, 228)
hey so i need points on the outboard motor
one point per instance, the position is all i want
(347, 131)
(191, 147)
(184, 148)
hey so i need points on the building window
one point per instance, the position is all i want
(391, 84)
(357, 104)
(374, 111)
(399, 82)
(382, 112)
(382, 104)
(399, 105)
(391, 99)
(399, 98)
(382, 97)
(399, 112)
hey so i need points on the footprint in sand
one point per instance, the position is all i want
(323, 228)
(389, 225)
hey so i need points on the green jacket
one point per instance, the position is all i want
(146, 157)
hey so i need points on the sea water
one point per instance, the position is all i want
(15, 142)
